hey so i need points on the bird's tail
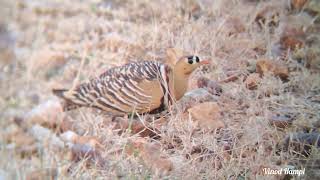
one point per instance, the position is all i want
(67, 97)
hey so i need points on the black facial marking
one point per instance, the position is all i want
(190, 59)
(197, 59)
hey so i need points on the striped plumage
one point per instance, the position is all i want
(141, 87)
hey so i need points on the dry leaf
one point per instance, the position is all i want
(207, 115)
(252, 81)
(291, 42)
(298, 4)
(264, 66)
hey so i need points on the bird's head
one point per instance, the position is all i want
(187, 64)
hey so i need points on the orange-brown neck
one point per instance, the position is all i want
(179, 84)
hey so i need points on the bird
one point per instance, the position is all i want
(136, 87)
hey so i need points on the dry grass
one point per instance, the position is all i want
(56, 42)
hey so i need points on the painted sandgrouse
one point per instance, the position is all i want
(141, 87)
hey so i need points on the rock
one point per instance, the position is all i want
(48, 114)
(252, 81)
(211, 86)
(264, 66)
(72, 137)
(151, 155)
(207, 115)
(84, 147)
(84, 151)
(46, 137)
(194, 97)
(49, 174)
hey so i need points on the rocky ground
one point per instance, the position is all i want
(256, 107)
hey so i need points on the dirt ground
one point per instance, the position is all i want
(265, 62)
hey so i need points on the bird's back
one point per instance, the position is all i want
(135, 87)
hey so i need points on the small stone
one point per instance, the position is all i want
(72, 137)
(207, 115)
(85, 151)
(193, 97)
(211, 86)
(48, 114)
(46, 136)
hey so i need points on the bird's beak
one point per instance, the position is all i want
(205, 61)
